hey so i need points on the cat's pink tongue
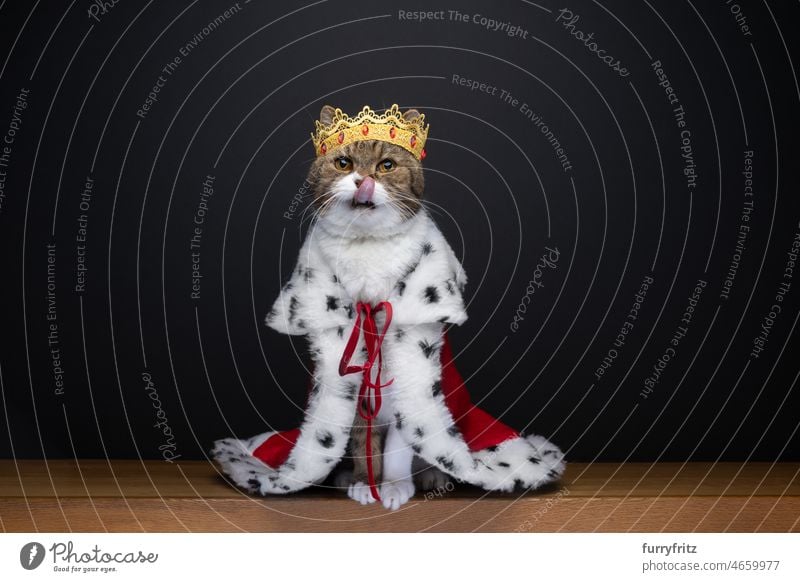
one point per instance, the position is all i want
(365, 191)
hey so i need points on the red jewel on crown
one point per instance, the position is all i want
(365, 129)
(422, 154)
(323, 148)
(392, 132)
(413, 140)
(340, 137)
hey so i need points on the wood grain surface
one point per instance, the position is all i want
(133, 496)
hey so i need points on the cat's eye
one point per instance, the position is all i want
(343, 164)
(386, 166)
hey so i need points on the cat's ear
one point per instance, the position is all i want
(411, 115)
(326, 115)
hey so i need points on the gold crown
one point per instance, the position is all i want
(390, 126)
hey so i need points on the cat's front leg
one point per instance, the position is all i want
(358, 487)
(398, 486)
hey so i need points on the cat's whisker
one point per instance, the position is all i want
(311, 206)
(401, 196)
(318, 209)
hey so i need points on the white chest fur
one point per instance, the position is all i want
(369, 267)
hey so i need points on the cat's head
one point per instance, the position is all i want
(366, 188)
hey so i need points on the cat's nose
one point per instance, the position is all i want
(365, 191)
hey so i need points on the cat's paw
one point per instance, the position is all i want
(431, 478)
(396, 493)
(360, 492)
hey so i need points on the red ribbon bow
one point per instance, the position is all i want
(370, 389)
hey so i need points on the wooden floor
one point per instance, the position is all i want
(132, 496)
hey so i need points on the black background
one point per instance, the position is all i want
(240, 107)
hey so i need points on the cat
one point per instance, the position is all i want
(375, 263)
(367, 196)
